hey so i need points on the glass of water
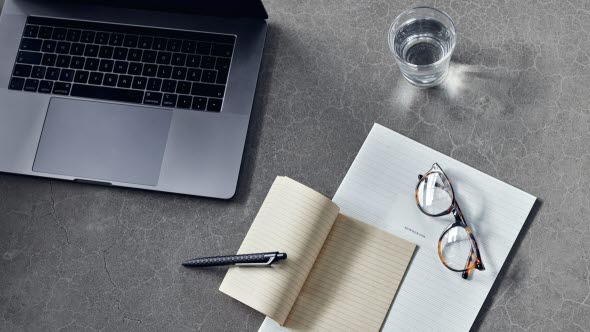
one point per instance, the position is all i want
(422, 40)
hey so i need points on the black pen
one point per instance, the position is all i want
(261, 259)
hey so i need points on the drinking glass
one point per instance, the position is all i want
(422, 40)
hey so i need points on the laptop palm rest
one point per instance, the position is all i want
(103, 141)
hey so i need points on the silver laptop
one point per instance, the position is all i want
(144, 94)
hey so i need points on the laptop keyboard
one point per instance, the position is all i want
(157, 67)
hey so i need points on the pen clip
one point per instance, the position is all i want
(271, 259)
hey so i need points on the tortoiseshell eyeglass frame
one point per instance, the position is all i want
(474, 259)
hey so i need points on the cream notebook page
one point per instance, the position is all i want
(293, 219)
(379, 189)
(353, 280)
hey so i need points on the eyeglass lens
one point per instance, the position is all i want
(433, 195)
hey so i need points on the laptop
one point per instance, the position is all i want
(145, 94)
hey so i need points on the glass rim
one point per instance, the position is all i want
(441, 60)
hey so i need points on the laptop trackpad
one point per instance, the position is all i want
(103, 141)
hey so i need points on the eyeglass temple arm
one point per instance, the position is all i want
(474, 252)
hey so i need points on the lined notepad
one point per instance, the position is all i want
(340, 274)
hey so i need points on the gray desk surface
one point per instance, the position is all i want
(82, 257)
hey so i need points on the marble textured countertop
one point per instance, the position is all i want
(516, 106)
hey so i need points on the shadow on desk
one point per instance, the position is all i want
(503, 275)
(257, 116)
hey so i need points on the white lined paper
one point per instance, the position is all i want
(379, 189)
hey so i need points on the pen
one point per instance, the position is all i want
(261, 259)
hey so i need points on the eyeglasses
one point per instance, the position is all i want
(457, 248)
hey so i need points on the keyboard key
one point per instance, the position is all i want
(154, 84)
(150, 70)
(207, 90)
(184, 101)
(222, 50)
(31, 31)
(178, 59)
(174, 45)
(52, 74)
(49, 46)
(38, 72)
(183, 87)
(28, 44)
(120, 53)
(95, 78)
(207, 62)
(169, 100)
(214, 105)
(152, 98)
(222, 64)
(88, 37)
(149, 56)
(81, 76)
(91, 64)
(106, 66)
(116, 39)
(59, 34)
(159, 44)
(63, 61)
(106, 52)
(163, 58)
(194, 75)
(16, 83)
(164, 71)
(145, 42)
(61, 88)
(63, 47)
(31, 85)
(121, 67)
(135, 68)
(102, 38)
(22, 70)
(77, 62)
(91, 51)
(30, 58)
(73, 35)
(179, 73)
(209, 76)
(100, 92)
(49, 59)
(77, 49)
(189, 46)
(45, 86)
(199, 103)
(222, 77)
(67, 75)
(139, 83)
(134, 54)
(168, 86)
(193, 60)
(125, 81)
(203, 48)
(45, 32)
(130, 41)
(110, 80)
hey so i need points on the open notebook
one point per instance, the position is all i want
(379, 189)
(340, 273)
